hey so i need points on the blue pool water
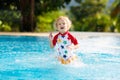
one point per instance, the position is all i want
(31, 58)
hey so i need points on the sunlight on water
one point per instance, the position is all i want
(31, 58)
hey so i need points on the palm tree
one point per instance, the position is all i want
(116, 10)
(115, 14)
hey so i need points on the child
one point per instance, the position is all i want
(64, 41)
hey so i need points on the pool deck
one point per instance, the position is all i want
(77, 34)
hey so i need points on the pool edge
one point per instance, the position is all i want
(80, 34)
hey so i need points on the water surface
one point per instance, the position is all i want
(31, 58)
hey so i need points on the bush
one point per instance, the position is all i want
(45, 21)
(98, 22)
(10, 20)
(4, 27)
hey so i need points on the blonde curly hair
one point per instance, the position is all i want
(63, 18)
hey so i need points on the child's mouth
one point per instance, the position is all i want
(61, 27)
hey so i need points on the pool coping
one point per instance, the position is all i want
(77, 34)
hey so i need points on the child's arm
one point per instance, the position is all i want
(74, 41)
(51, 38)
(71, 47)
(76, 46)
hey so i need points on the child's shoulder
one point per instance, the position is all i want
(70, 35)
(56, 35)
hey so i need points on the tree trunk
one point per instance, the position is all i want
(28, 18)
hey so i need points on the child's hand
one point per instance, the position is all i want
(50, 36)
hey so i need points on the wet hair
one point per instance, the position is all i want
(63, 18)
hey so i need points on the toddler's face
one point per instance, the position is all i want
(62, 26)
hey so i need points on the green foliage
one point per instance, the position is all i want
(8, 15)
(118, 23)
(45, 21)
(90, 16)
(10, 19)
(4, 27)
(115, 15)
(41, 6)
(49, 5)
(98, 22)
(9, 4)
(88, 8)
(104, 22)
(115, 3)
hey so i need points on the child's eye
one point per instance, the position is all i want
(63, 23)
(59, 24)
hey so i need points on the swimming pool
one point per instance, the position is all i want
(31, 58)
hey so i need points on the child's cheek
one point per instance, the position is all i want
(58, 27)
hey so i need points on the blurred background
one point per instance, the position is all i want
(39, 15)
